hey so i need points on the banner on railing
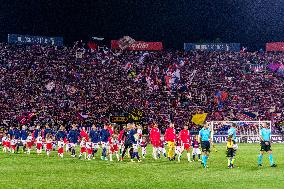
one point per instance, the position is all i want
(275, 46)
(247, 139)
(140, 46)
(235, 47)
(41, 40)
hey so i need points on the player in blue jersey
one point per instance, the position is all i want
(232, 132)
(265, 145)
(61, 134)
(204, 139)
(73, 139)
(94, 135)
(104, 134)
(129, 141)
(47, 131)
(17, 134)
(36, 132)
(24, 136)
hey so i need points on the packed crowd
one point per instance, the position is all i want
(65, 85)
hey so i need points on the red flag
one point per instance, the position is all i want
(92, 45)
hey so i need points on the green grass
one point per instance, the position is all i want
(32, 171)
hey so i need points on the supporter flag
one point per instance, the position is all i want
(247, 116)
(280, 70)
(277, 68)
(82, 116)
(92, 45)
(219, 98)
(143, 58)
(274, 66)
(26, 117)
(199, 119)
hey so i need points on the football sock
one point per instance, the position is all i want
(205, 160)
(73, 151)
(123, 153)
(271, 159)
(193, 157)
(188, 156)
(131, 153)
(155, 153)
(104, 152)
(259, 159)
(179, 156)
(198, 156)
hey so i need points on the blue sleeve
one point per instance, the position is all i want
(91, 134)
(57, 136)
(69, 135)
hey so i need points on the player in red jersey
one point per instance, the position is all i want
(143, 145)
(196, 148)
(83, 148)
(110, 129)
(178, 147)
(39, 144)
(8, 143)
(60, 145)
(29, 143)
(121, 139)
(4, 139)
(170, 138)
(162, 149)
(83, 133)
(155, 139)
(48, 144)
(113, 147)
(90, 147)
(185, 141)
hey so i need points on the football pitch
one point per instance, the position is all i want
(33, 171)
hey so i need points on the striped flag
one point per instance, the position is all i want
(247, 116)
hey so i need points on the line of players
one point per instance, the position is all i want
(127, 141)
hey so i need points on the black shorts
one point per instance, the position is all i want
(231, 152)
(205, 146)
(128, 145)
(264, 147)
